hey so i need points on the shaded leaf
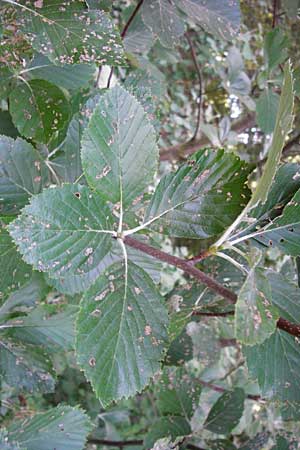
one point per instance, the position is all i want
(275, 364)
(218, 17)
(266, 110)
(54, 332)
(226, 412)
(61, 428)
(162, 18)
(255, 315)
(122, 313)
(276, 48)
(14, 271)
(25, 367)
(22, 174)
(71, 77)
(39, 110)
(139, 38)
(68, 164)
(7, 127)
(167, 426)
(178, 394)
(201, 198)
(119, 152)
(71, 239)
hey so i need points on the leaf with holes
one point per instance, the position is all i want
(23, 173)
(39, 110)
(163, 20)
(284, 231)
(61, 428)
(121, 332)
(255, 315)
(72, 239)
(218, 17)
(173, 426)
(25, 367)
(201, 198)
(69, 33)
(119, 151)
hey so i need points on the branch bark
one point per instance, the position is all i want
(283, 324)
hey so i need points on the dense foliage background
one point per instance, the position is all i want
(150, 224)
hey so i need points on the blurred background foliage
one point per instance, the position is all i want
(206, 92)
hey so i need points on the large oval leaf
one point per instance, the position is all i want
(119, 151)
(201, 198)
(64, 230)
(121, 332)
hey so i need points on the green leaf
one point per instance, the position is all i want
(201, 198)
(22, 174)
(283, 444)
(7, 127)
(30, 294)
(5, 445)
(291, 7)
(25, 367)
(218, 17)
(167, 426)
(79, 283)
(284, 231)
(119, 151)
(6, 79)
(61, 428)
(276, 48)
(180, 350)
(275, 364)
(284, 122)
(54, 332)
(285, 295)
(14, 271)
(255, 316)
(257, 443)
(226, 412)
(121, 332)
(88, 36)
(178, 394)
(138, 39)
(71, 77)
(163, 20)
(221, 444)
(39, 110)
(266, 110)
(68, 164)
(71, 239)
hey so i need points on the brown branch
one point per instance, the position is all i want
(221, 389)
(198, 72)
(120, 444)
(212, 284)
(181, 151)
(213, 314)
(183, 265)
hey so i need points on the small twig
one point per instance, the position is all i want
(213, 314)
(198, 72)
(123, 34)
(274, 13)
(98, 76)
(222, 390)
(119, 444)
